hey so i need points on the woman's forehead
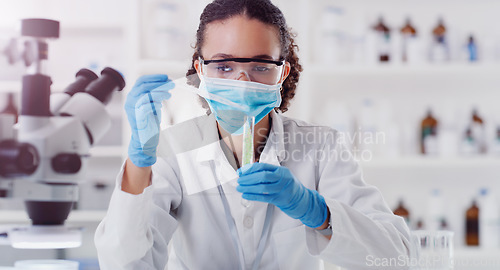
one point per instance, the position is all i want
(239, 36)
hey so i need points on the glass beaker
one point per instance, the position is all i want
(434, 250)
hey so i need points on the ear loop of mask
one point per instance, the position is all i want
(282, 74)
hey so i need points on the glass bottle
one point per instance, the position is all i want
(383, 40)
(443, 225)
(472, 225)
(409, 33)
(439, 32)
(11, 107)
(435, 210)
(420, 224)
(478, 131)
(428, 142)
(440, 51)
(402, 212)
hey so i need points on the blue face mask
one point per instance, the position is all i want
(232, 100)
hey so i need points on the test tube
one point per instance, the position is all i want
(248, 147)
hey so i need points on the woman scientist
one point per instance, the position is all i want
(303, 201)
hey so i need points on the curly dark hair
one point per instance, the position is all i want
(265, 12)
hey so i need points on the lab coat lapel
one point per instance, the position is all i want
(198, 148)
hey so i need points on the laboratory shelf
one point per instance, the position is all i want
(76, 216)
(10, 86)
(16, 86)
(467, 69)
(163, 66)
(437, 162)
(93, 29)
(107, 151)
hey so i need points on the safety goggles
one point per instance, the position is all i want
(254, 69)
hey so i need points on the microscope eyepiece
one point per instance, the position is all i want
(102, 88)
(83, 78)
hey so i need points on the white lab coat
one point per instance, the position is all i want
(183, 206)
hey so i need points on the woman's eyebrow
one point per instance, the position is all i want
(224, 56)
(264, 56)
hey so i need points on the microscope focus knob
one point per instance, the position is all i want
(17, 159)
(69, 163)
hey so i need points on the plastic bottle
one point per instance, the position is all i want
(472, 49)
(331, 35)
(469, 144)
(402, 212)
(342, 120)
(163, 34)
(11, 107)
(496, 142)
(449, 133)
(435, 210)
(428, 141)
(472, 225)
(488, 220)
(367, 130)
(409, 34)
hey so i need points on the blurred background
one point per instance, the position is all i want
(412, 85)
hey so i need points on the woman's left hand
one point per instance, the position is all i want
(277, 185)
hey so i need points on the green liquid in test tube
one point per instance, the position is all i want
(248, 149)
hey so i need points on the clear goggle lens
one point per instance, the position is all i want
(255, 70)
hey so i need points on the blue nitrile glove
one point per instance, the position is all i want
(276, 184)
(143, 108)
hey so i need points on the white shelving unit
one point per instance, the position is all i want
(10, 86)
(415, 162)
(164, 65)
(77, 216)
(107, 151)
(321, 83)
(92, 29)
(462, 69)
(16, 86)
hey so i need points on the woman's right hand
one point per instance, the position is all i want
(143, 108)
